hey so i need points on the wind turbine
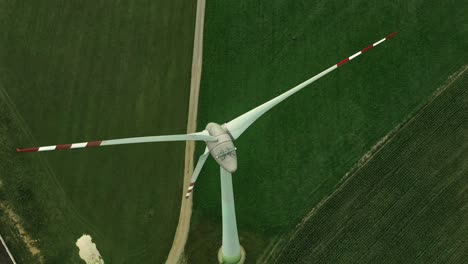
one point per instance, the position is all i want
(219, 144)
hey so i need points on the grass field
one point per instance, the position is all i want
(294, 156)
(73, 71)
(408, 204)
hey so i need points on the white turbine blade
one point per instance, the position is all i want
(196, 172)
(238, 125)
(200, 136)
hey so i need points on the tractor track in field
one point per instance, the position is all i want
(277, 247)
(45, 167)
(182, 231)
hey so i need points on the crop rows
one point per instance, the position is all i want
(297, 154)
(408, 204)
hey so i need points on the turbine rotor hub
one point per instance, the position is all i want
(223, 150)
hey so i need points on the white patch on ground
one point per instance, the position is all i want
(88, 250)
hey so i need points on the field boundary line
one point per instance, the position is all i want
(180, 238)
(396, 130)
(389, 137)
(369, 155)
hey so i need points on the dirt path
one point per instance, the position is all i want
(28, 241)
(180, 238)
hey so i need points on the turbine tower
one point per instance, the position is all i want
(219, 144)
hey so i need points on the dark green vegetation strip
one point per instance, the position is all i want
(31, 193)
(296, 154)
(88, 70)
(409, 204)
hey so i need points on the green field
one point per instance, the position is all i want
(73, 71)
(295, 155)
(408, 204)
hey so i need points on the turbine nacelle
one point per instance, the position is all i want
(219, 143)
(222, 150)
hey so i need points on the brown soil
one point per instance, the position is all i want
(28, 241)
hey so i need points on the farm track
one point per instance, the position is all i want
(183, 227)
(398, 194)
(91, 71)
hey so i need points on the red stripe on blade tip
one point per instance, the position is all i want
(391, 35)
(367, 48)
(27, 150)
(342, 62)
(63, 146)
(93, 144)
